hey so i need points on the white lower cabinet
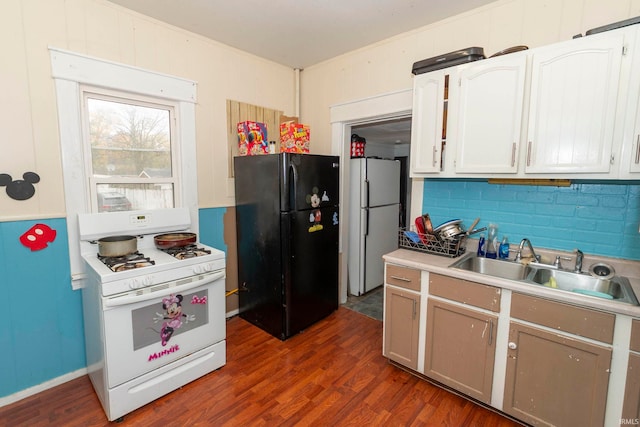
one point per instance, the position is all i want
(460, 348)
(541, 361)
(460, 342)
(631, 408)
(550, 375)
(401, 315)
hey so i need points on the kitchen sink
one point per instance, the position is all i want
(493, 267)
(616, 289)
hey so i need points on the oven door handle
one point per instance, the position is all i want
(123, 300)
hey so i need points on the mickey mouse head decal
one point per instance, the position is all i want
(20, 189)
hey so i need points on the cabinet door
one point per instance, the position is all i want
(634, 166)
(631, 146)
(428, 124)
(574, 88)
(631, 408)
(460, 348)
(401, 322)
(555, 380)
(489, 115)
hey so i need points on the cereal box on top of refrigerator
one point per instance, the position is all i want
(252, 138)
(294, 137)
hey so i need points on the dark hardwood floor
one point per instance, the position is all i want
(331, 374)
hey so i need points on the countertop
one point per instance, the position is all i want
(440, 264)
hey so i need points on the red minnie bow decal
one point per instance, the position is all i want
(38, 237)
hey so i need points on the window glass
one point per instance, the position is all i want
(125, 197)
(131, 153)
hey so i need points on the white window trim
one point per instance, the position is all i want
(70, 70)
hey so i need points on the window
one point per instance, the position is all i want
(114, 171)
(131, 152)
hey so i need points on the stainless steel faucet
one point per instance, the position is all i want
(521, 247)
(579, 258)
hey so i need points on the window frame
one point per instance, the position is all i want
(70, 71)
(137, 100)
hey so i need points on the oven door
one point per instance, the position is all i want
(148, 328)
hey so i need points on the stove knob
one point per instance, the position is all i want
(141, 282)
(205, 268)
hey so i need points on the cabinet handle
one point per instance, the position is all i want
(435, 151)
(638, 149)
(490, 332)
(513, 345)
(513, 154)
(414, 309)
(529, 153)
(402, 279)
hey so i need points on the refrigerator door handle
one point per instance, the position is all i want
(366, 220)
(293, 172)
(367, 194)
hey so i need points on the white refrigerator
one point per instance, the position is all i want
(374, 212)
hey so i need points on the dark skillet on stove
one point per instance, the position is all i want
(173, 240)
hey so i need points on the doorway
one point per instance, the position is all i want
(391, 139)
(369, 113)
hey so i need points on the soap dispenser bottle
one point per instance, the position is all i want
(481, 246)
(503, 252)
(492, 242)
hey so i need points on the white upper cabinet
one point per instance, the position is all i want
(630, 151)
(428, 125)
(487, 122)
(574, 88)
(568, 110)
(634, 151)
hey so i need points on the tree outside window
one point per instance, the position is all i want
(131, 153)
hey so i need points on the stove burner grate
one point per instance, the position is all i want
(126, 262)
(186, 252)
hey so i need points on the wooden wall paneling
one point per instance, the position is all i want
(240, 112)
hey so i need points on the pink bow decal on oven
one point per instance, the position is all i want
(198, 300)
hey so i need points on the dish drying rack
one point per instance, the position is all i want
(430, 244)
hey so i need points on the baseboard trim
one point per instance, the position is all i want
(12, 398)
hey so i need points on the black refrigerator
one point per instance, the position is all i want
(287, 222)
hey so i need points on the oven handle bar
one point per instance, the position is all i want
(117, 301)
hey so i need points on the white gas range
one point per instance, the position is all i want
(154, 321)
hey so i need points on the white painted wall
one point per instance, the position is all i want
(386, 66)
(29, 136)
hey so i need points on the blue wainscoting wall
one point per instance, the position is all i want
(211, 222)
(598, 218)
(42, 335)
